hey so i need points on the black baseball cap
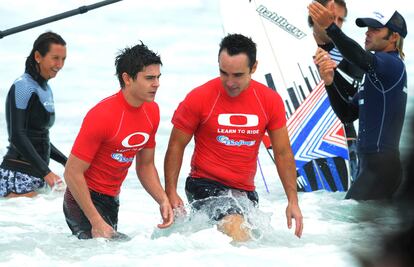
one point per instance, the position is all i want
(392, 20)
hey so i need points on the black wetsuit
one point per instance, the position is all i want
(353, 75)
(380, 107)
(30, 113)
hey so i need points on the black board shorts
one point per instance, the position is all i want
(216, 199)
(79, 224)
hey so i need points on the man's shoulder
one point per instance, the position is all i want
(151, 107)
(389, 62)
(213, 83)
(211, 87)
(263, 89)
(108, 100)
(105, 107)
(258, 84)
(388, 56)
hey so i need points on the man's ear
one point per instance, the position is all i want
(126, 78)
(254, 67)
(396, 35)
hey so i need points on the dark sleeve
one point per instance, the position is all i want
(350, 49)
(352, 71)
(327, 47)
(56, 155)
(341, 101)
(19, 138)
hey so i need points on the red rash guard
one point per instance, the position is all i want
(228, 130)
(111, 135)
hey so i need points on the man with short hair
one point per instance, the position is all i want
(228, 117)
(113, 132)
(349, 72)
(380, 102)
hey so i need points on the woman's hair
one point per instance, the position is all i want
(41, 45)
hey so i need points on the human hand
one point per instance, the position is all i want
(293, 211)
(327, 71)
(323, 16)
(177, 204)
(55, 182)
(326, 66)
(101, 229)
(167, 215)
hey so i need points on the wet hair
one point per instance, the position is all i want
(398, 45)
(132, 60)
(41, 45)
(340, 3)
(236, 44)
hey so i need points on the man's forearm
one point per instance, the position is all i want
(287, 172)
(80, 191)
(172, 166)
(150, 180)
(350, 49)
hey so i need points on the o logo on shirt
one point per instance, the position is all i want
(249, 120)
(125, 142)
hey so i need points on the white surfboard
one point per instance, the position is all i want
(285, 49)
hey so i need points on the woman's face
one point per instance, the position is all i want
(52, 62)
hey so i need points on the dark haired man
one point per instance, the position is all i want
(351, 73)
(321, 38)
(228, 117)
(113, 132)
(380, 102)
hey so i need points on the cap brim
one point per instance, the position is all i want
(368, 22)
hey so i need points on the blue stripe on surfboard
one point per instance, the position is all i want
(335, 150)
(315, 147)
(335, 175)
(303, 181)
(322, 174)
(321, 180)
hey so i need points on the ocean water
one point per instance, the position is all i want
(186, 33)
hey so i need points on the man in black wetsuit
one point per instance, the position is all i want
(350, 72)
(380, 102)
(30, 113)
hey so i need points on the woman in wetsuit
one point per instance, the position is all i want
(30, 113)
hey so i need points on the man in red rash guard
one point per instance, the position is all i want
(113, 132)
(228, 117)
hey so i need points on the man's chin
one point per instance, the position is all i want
(150, 99)
(234, 92)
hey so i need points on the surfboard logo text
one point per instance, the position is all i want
(280, 21)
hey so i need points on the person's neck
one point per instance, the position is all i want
(390, 48)
(130, 99)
